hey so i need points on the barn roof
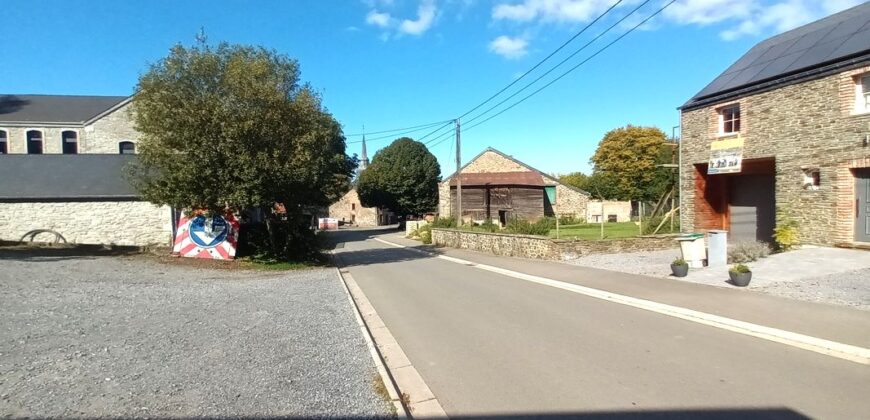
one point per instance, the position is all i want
(796, 54)
(531, 179)
(59, 177)
(55, 109)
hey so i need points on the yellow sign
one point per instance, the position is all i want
(726, 156)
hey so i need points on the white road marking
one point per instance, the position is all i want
(819, 345)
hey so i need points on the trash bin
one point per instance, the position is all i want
(717, 252)
(692, 247)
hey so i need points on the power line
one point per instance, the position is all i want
(397, 129)
(560, 63)
(435, 131)
(575, 67)
(545, 58)
(396, 135)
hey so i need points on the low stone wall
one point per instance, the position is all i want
(96, 222)
(542, 248)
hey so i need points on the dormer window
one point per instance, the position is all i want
(729, 120)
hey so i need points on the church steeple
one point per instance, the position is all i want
(364, 157)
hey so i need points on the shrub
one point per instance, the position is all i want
(444, 222)
(742, 252)
(571, 220)
(786, 232)
(524, 227)
(488, 226)
(680, 261)
(425, 233)
(739, 269)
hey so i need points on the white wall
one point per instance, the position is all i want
(98, 222)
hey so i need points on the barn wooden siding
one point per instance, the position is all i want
(485, 202)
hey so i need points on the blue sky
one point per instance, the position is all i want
(396, 63)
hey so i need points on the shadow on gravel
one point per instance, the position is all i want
(709, 414)
(78, 252)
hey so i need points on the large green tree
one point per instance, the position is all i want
(402, 177)
(625, 164)
(576, 180)
(233, 127)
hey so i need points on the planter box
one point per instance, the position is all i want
(740, 279)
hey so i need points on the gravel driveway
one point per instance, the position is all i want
(130, 337)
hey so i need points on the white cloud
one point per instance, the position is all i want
(754, 17)
(551, 10)
(425, 18)
(508, 47)
(380, 19)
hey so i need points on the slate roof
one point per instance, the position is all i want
(530, 178)
(56, 109)
(838, 38)
(56, 177)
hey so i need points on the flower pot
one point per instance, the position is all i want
(740, 279)
(680, 270)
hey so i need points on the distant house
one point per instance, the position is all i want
(786, 127)
(498, 187)
(609, 211)
(349, 209)
(62, 171)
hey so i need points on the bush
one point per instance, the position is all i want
(786, 232)
(489, 226)
(425, 233)
(571, 220)
(742, 252)
(680, 261)
(524, 227)
(739, 269)
(444, 222)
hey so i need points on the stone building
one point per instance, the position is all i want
(611, 211)
(785, 129)
(498, 187)
(62, 170)
(349, 209)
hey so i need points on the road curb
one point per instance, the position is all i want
(835, 349)
(407, 389)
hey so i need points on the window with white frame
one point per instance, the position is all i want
(862, 93)
(729, 120)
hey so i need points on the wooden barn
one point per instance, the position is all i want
(497, 187)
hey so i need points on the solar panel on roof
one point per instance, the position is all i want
(813, 45)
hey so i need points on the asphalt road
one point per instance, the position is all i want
(489, 344)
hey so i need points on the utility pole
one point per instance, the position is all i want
(458, 176)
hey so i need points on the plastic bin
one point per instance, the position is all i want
(692, 248)
(717, 248)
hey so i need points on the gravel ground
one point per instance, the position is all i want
(129, 337)
(825, 275)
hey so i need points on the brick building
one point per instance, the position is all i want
(62, 170)
(498, 187)
(785, 128)
(349, 209)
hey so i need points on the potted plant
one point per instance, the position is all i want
(680, 267)
(740, 275)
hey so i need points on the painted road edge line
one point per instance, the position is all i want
(395, 400)
(819, 345)
(393, 365)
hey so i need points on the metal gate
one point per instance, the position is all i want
(752, 208)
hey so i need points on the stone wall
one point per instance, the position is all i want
(808, 125)
(101, 137)
(490, 161)
(98, 222)
(537, 247)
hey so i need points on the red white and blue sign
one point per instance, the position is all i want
(199, 236)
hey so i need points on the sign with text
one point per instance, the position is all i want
(726, 156)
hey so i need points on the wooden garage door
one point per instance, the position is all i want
(752, 206)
